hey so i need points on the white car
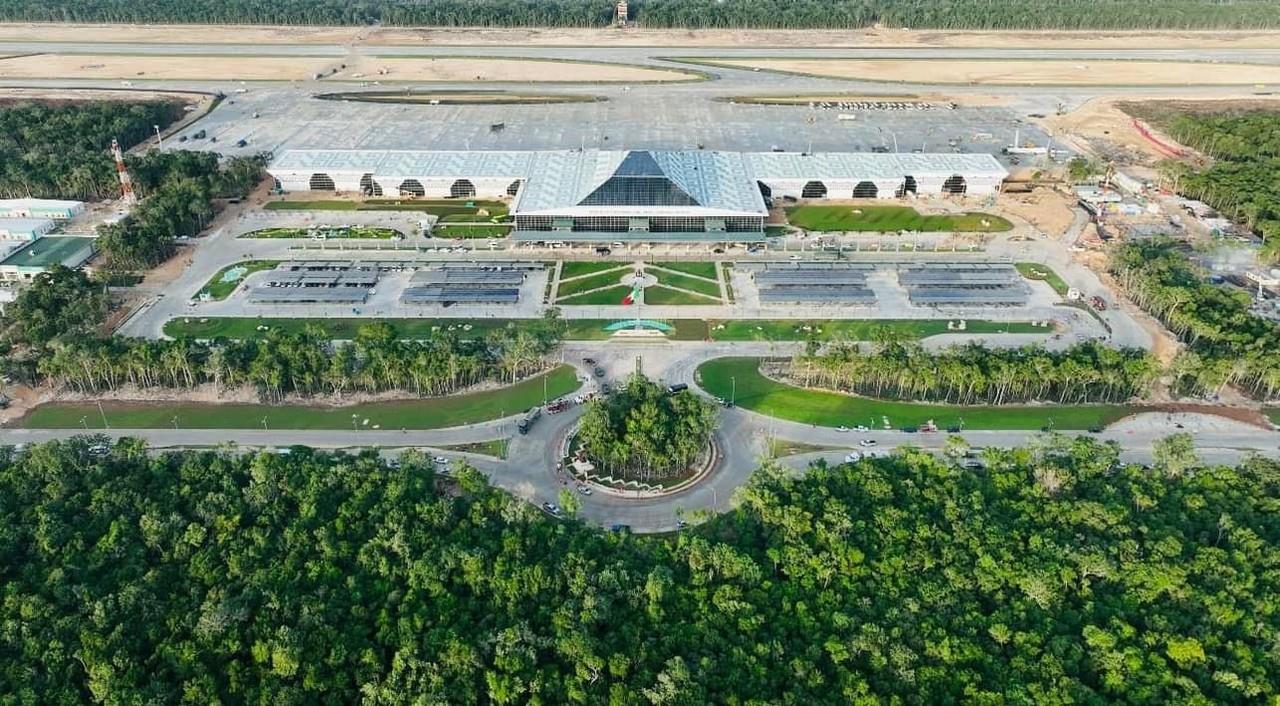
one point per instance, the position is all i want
(441, 461)
(795, 257)
(861, 427)
(584, 490)
(867, 442)
(852, 457)
(842, 428)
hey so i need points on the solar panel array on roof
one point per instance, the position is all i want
(308, 295)
(459, 294)
(510, 278)
(847, 285)
(320, 280)
(963, 284)
(491, 266)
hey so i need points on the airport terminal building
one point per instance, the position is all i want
(603, 195)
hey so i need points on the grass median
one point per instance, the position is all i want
(224, 282)
(722, 376)
(1041, 273)
(430, 413)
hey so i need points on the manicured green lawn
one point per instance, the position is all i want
(854, 329)
(578, 269)
(760, 394)
(355, 232)
(697, 269)
(432, 413)
(219, 287)
(664, 296)
(475, 231)
(579, 285)
(693, 284)
(890, 218)
(447, 209)
(612, 295)
(1041, 273)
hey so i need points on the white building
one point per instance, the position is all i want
(637, 194)
(22, 230)
(53, 209)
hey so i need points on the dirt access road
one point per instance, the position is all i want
(635, 37)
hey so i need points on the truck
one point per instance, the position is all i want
(526, 422)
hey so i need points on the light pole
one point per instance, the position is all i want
(104, 415)
(733, 392)
(264, 423)
(84, 422)
(353, 423)
(159, 140)
(175, 422)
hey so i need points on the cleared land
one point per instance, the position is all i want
(352, 232)
(633, 36)
(891, 218)
(224, 281)
(830, 409)
(1015, 73)
(433, 413)
(277, 68)
(593, 329)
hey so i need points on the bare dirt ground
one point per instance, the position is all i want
(869, 37)
(1101, 127)
(1016, 73)
(518, 70)
(267, 68)
(1048, 210)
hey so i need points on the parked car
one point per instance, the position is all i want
(867, 442)
(551, 508)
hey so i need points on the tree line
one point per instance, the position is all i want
(259, 578)
(1240, 181)
(1226, 343)
(973, 374)
(642, 432)
(791, 14)
(63, 150)
(53, 335)
(177, 191)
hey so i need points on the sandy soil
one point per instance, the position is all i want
(264, 68)
(1048, 210)
(1014, 73)
(518, 70)
(203, 34)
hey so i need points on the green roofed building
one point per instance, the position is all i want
(44, 253)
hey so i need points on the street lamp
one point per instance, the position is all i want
(159, 140)
(84, 422)
(353, 422)
(264, 423)
(733, 393)
(175, 422)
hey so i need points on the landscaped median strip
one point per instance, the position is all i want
(418, 414)
(740, 379)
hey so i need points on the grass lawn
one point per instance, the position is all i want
(496, 448)
(220, 285)
(1041, 273)
(571, 287)
(693, 284)
(662, 295)
(890, 218)
(775, 231)
(697, 269)
(784, 447)
(610, 296)
(854, 330)
(432, 413)
(760, 394)
(577, 269)
(475, 231)
(356, 232)
(457, 208)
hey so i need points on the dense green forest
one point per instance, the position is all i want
(177, 191)
(974, 374)
(51, 334)
(916, 14)
(1243, 179)
(64, 150)
(641, 432)
(1226, 344)
(1053, 576)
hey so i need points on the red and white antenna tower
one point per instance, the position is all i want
(126, 181)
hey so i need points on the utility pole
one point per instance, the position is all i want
(104, 415)
(159, 140)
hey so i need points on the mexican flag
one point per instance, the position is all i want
(631, 296)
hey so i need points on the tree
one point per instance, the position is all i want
(1080, 169)
(1176, 453)
(59, 304)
